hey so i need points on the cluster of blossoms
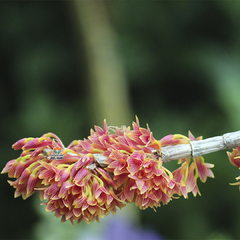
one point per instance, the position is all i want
(95, 176)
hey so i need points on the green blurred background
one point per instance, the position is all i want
(67, 65)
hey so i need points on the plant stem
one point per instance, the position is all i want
(200, 147)
(194, 148)
(191, 149)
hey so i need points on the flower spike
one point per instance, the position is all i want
(113, 166)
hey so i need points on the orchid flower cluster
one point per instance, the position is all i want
(97, 175)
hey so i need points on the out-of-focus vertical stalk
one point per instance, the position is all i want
(109, 97)
(107, 82)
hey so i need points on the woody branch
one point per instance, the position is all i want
(194, 148)
(201, 147)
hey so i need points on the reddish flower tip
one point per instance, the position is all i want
(20, 143)
(234, 157)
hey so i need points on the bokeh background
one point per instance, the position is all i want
(67, 65)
